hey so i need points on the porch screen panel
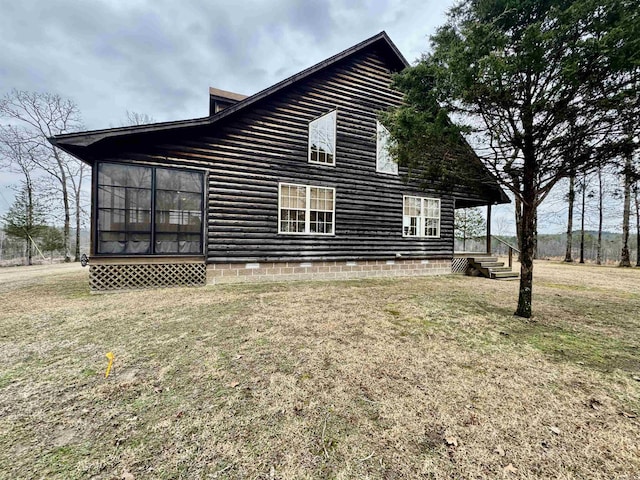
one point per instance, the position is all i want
(124, 209)
(178, 211)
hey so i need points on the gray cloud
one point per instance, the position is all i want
(160, 57)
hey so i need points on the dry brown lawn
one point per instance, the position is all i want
(399, 378)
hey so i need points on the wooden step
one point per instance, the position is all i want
(482, 259)
(490, 267)
(490, 264)
(505, 275)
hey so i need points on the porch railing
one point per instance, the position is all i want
(511, 249)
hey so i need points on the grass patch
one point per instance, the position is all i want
(584, 348)
(5, 379)
(390, 378)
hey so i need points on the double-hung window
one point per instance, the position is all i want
(148, 210)
(306, 209)
(322, 139)
(385, 163)
(421, 217)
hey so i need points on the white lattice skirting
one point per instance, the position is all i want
(104, 278)
(459, 265)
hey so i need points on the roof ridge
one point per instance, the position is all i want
(85, 138)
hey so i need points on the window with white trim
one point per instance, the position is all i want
(306, 209)
(421, 217)
(322, 139)
(385, 163)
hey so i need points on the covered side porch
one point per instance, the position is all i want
(476, 248)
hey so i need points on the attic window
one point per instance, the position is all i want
(385, 163)
(322, 139)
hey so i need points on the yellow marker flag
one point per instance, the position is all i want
(110, 357)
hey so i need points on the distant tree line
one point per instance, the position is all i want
(590, 195)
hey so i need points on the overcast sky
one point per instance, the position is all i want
(160, 57)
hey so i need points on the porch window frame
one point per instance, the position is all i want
(95, 208)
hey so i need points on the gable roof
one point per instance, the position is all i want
(73, 143)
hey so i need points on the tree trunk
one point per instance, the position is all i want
(600, 217)
(76, 256)
(66, 232)
(77, 189)
(526, 262)
(67, 223)
(535, 233)
(29, 222)
(584, 193)
(625, 257)
(568, 256)
(637, 199)
(528, 228)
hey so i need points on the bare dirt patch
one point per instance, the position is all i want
(402, 378)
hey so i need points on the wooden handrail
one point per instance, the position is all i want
(511, 249)
(506, 243)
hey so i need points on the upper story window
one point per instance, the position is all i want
(421, 217)
(306, 209)
(148, 210)
(322, 139)
(385, 163)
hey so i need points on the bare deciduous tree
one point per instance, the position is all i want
(44, 115)
(137, 118)
(17, 155)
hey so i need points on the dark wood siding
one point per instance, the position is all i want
(248, 153)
